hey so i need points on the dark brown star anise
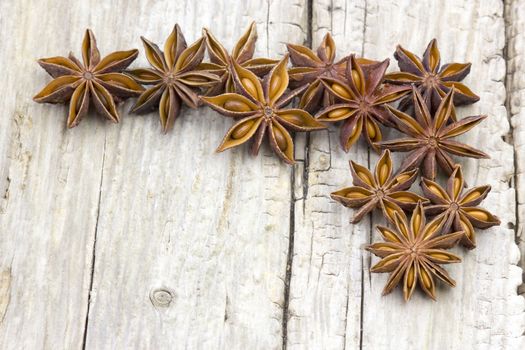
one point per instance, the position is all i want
(261, 107)
(363, 101)
(309, 68)
(414, 252)
(429, 138)
(99, 80)
(432, 81)
(460, 209)
(381, 190)
(174, 77)
(242, 54)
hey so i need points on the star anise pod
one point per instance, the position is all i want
(174, 77)
(261, 107)
(242, 54)
(363, 101)
(309, 68)
(429, 137)
(459, 208)
(414, 252)
(432, 81)
(93, 79)
(382, 190)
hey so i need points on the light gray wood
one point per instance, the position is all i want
(192, 245)
(50, 183)
(515, 55)
(334, 301)
(116, 236)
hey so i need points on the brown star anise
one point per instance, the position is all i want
(242, 54)
(381, 190)
(99, 80)
(260, 105)
(432, 81)
(363, 101)
(413, 252)
(429, 138)
(309, 68)
(460, 209)
(174, 77)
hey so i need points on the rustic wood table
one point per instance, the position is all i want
(117, 236)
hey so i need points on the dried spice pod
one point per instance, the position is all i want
(413, 252)
(309, 68)
(429, 137)
(364, 101)
(173, 75)
(459, 206)
(91, 80)
(261, 107)
(242, 54)
(382, 190)
(432, 80)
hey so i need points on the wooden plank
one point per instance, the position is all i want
(49, 180)
(514, 13)
(326, 282)
(191, 245)
(332, 303)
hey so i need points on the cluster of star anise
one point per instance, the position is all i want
(413, 250)
(355, 91)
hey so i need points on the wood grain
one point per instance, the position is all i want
(515, 83)
(334, 301)
(116, 236)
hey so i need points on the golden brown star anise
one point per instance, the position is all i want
(261, 107)
(382, 190)
(309, 68)
(364, 99)
(430, 136)
(460, 209)
(174, 77)
(432, 81)
(413, 252)
(242, 54)
(95, 79)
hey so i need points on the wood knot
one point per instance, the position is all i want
(161, 297)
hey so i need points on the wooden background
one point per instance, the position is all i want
(117, 237)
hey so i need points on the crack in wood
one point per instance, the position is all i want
(93, 257)
(511, 139)
(293, 200)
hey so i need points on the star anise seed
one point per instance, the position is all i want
(432, 81)
(94, 79)
(242, 54)
(364, 99)
(413, 252)
(382, 190)
(459, 208)
(173, 75)
(309, 68)
(261, 107)
(429, 137)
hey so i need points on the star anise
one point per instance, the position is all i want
(414, 252)
(99, 80)
(363, 101)
(381, 190)
(174, 77)
(429, 138)
(432, 81)
(460, 209)
(261, 107)
(242, 54)
(309, 68)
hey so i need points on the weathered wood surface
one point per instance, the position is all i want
(115, 236)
